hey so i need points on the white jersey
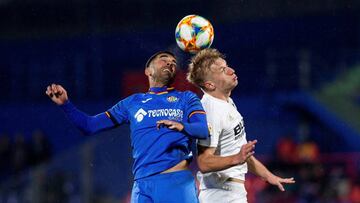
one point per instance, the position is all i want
(227, 135)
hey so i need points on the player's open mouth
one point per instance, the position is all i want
(167, 69)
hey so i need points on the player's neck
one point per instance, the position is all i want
(156, 84)
(220, 95)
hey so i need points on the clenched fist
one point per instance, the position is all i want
(57, 94)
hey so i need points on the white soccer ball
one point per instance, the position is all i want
(194, 33)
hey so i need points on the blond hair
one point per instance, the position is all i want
(200, 66)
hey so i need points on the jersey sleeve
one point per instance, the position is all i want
(214, 126)
(193, 105)
(197, 126)
(119, 112)
(87, 124)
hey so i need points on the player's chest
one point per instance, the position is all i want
(150, 108)
(234, 128)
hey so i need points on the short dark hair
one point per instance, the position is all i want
(156, 54)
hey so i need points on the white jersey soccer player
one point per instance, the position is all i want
(225, 157)
(227, 135)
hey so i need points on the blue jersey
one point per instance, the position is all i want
(155, 150)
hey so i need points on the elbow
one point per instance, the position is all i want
(203, 136)
(203, 168)
(204, 133)
(88, 129)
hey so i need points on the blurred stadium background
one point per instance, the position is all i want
(298, 64)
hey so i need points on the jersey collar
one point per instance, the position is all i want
(160, 90)
(217, 99)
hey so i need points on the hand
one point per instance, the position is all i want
(246, 151)
(57, 94)
(275, 180)
(170, 124)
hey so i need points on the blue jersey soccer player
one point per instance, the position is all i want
(163, 123)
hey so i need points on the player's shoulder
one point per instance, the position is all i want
(209, 100)
(212, 106)
(187, 94)
(138, 95)
(132, 98)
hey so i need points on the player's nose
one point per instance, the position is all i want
(171, 64)
(230, 71)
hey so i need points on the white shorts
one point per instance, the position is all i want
(235, 194)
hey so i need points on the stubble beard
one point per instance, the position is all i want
(165, 78)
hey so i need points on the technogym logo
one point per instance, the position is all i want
(140, 115)
(171, 114)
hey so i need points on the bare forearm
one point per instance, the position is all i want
(208, 161)
(257, 168)
(215, 163)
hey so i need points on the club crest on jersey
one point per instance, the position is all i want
(209, 127)
(172, 99)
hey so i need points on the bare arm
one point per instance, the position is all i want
(257, 168)
(208, 161)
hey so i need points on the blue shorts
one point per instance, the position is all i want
(174, 187)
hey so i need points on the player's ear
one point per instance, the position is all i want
(209, 85)
(148, 71)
